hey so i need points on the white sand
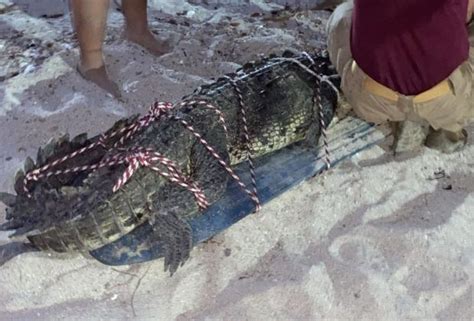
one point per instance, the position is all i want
(372, 239)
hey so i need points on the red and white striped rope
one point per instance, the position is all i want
(206, 104)
(216, 156)
(250, 162)
(139, 156)
(322, 124)
(327, 154)
(147, 158)
(157, 110)
(142, 157)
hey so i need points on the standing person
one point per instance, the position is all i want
(408, 62)
(90, 20)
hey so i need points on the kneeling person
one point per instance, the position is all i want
(408, 62)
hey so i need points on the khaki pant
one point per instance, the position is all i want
(451, 111)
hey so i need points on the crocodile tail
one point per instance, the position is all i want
(34, 197)
(56, 195)
(57, 148)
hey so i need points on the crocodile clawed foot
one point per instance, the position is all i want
(175, 237)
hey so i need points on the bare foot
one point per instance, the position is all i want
(100, 77)
(148, 41)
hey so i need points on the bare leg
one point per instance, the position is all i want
(136, 29)
(90, 19)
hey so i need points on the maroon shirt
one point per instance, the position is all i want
(409, 45)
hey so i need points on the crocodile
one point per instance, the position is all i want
(261, 108)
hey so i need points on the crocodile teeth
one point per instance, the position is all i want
(29, 164)
(7, 199)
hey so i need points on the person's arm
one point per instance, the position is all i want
(470, 10)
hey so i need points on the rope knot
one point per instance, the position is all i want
(149, 158)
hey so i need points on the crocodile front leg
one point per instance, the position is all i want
(175, 205)
(174, 236)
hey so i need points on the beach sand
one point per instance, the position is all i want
(375, 238)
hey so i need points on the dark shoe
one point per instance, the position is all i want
(446, 141)
(408, 136)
